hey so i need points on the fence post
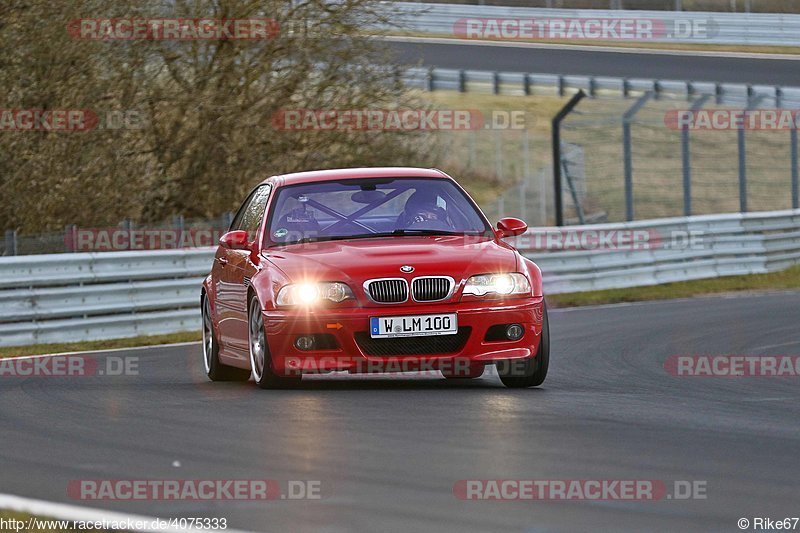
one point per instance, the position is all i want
(128, 226)
(11, 242)
(556, 140)
(70, 238)
(498, 155)
(795, 192)
(627, 120)
(526, 176)
(179, 223)
(752, 103)
(687, 158)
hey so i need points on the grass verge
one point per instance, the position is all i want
(786, 279)
(132, 342)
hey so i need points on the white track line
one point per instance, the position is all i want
(592, 48)
(62, 511)
(107, 350)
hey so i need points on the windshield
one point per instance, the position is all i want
(375, 207)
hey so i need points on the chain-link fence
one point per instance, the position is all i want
(647, 158)
(641, 157)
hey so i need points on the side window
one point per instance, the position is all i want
(250, 214)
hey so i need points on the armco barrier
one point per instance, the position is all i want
(680, 26)
(90, 296)
(522, 84)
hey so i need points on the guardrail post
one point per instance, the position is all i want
(462, 81)
(526, 84)
(561, 85)
(429, 79)
(687, 158)
(627, 120)
(626, 87)
(11, 242)
(718, 93)
(592, 86)
(556, 140)
(495, 82)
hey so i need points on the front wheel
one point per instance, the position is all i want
(260, 359)
(531, 372)
(215, 370)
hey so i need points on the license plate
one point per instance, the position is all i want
(413, 325)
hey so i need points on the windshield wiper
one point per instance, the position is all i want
(395, 233)
(426, 232)
(306, 240)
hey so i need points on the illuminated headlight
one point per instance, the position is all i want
(502, 284)
(312, 293)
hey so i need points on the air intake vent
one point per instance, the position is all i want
(387, 291)
(437, 344)
(431, 289)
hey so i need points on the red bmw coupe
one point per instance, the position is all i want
(371, 270)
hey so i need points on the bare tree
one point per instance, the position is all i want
(198, 129)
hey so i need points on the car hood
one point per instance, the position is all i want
(355, 261)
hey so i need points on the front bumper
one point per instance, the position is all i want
(353, 350)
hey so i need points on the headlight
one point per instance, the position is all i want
(312, 293)
(502, 284)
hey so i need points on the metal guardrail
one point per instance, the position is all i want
(519, 83)
(728, 245)
(765, 29)
(90, 296)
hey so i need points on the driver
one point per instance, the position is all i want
(421, 210)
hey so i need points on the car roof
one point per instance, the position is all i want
(355, 173)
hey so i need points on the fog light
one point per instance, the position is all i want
(514, 332)
(304, 343)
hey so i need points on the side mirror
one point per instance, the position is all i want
(235, 240)
(511, 227)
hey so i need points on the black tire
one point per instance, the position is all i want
(260, 359)
(531, 372)
(215, 370)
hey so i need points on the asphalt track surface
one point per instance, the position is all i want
(389, 450)
(518, 57)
